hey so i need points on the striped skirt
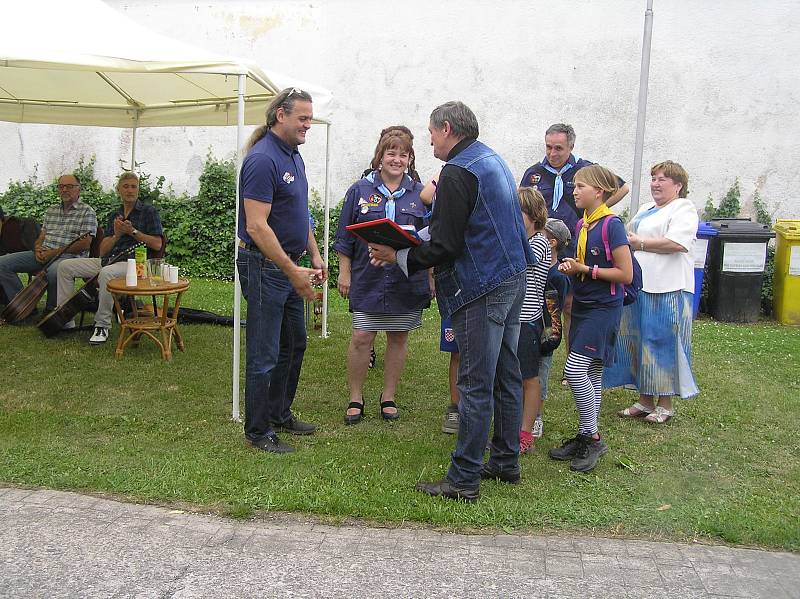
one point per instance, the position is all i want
(372, 321)
(654, 346)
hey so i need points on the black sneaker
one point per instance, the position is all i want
(294, 426)
(489, 473)
(569, 449)
(272, 444)
(444, 488)
(588, 455)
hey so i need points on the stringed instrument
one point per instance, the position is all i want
(25, 301)
(80, 301)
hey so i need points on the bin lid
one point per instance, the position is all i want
(704, 229)
(729, 228)
(788, 229)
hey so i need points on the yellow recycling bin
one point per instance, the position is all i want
(786, 280)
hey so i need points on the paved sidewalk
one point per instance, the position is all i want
(56, 544)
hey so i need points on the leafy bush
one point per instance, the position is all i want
(200, 231)
(317, 209)
(729, 205)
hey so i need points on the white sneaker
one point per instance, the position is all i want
(100, 336)
(538, 428)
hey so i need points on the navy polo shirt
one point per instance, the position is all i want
(275, 173)
(383, 290)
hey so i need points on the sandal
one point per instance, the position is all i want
(659, 415)
(388, 404)
(641, 411)
(354, 418)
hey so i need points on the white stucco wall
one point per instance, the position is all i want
(723, 95)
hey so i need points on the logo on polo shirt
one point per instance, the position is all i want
(374, 200)
(449, 335)
(288, 177)
(535, 179)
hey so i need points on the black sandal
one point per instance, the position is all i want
(354, 418)
(388, 404)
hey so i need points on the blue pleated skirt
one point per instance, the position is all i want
(593, 330)
(654, 346)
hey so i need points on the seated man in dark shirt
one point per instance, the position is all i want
(134, 222)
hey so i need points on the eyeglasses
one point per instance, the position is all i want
(67, 185)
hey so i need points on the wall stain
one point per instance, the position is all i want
(258, 26)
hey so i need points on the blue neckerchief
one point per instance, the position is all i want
(558, 186)
(390, 196)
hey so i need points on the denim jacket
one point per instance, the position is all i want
(495, 243)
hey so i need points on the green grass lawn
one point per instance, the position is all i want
(725, 469)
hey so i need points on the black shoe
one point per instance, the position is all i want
(358, 416)
(569, 449)
(272, 444)
(444, 488)
(489, 473)
(388, 404)
(588, 455)
(294, 426)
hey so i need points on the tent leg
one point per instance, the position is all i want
(327, 227)
(237, 291)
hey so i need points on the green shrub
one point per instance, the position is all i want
(317, 209)
(200, 231)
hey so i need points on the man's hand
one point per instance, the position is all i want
(300, 277)
(381, 255)
(318, 264)
(42, 255)
(343, 284)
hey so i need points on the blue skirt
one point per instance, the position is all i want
(654, 346)
(593, 330)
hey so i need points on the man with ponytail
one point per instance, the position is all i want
(274, 233)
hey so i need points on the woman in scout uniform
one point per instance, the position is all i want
(381, 299)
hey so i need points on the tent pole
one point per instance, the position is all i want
(644, 74)
(327, 227)
(237, 292)
(133, 141)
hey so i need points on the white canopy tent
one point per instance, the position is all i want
(83, 63)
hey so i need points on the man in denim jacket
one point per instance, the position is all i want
(480, 253)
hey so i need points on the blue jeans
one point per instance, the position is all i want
(11, 264)
(276, 342)
(489, 382)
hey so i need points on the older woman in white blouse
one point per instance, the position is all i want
(655, 338)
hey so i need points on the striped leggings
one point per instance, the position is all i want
(585, 378)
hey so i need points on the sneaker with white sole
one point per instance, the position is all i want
(538, 428)
(99, 336)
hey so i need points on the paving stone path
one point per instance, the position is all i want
(57, 544)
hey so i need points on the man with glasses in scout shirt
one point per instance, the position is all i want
(274, 233)
(62, 224)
